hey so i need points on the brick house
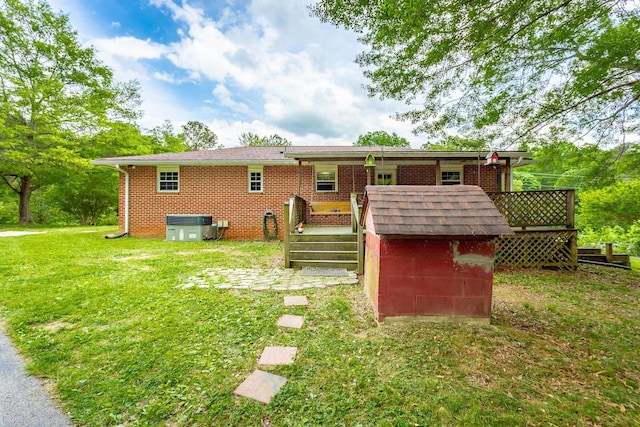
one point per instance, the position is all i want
(240, 184)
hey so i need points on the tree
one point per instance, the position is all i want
(508, 69)
(250, 139)
(383, 138)
(166, 140)
(51, 90)
(89, 193)
(456, 143)
(618, 204)
(198, 136)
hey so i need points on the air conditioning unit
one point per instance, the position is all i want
(185, 228)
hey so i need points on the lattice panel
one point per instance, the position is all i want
(538, 249)
(534, 208)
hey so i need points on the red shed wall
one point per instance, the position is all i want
(433, 278)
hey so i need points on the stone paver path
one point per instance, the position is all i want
(262, 279)
(272, 356)
(290, 321)
(295, 300)
(260, 386)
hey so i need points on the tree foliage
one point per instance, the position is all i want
(51, 91)
(565, 165)
(198, 136)
(382, 138)
(618, 204)
(250, 139)
(511, 69)
(457, 143)
(165, 139)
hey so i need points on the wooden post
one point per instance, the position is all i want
(609, 251)
(287, 232)
(571, 207)
(438, 174)
(360, 232)
(507, 175)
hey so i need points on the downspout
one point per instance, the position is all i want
(126, 197)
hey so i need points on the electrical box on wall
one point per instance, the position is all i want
(223, 224)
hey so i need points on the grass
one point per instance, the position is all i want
(105, 324)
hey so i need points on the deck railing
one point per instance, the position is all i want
(358, 229)
(536, 208)
(543, 224)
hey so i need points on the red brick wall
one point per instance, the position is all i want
(489, 177)
(221, 191)
(430, 277)
(416, 175)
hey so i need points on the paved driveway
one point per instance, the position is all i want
(23, 400)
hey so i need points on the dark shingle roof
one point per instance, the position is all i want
(290, 155)
(240, 155)
(459, 210)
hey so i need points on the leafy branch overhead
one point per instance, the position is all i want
(505, 69)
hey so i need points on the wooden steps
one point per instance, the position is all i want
(595, 256)
(324, 250)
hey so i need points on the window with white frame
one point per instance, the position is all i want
(169, 179)
(451, 175)
(326, 178)
(255, 179)
(386, 176)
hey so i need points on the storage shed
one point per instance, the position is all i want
(430, 250)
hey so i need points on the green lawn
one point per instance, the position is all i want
(106, 324)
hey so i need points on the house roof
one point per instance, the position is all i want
(411, 211)
(291, 155)
(222, 156)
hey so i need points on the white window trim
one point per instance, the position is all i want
(253, 169)
(388, 170)
(452, 168)
(325, 168)
(160, 169)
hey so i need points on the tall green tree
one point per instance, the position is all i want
(91, 191)
(166, 140)
(250, 139)
(511, 69)
(198, 136)
(51, 91)
(618, 204)
(383, 138)
(457, 143)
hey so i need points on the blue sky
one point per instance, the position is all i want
(262, 66)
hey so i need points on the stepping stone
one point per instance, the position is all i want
(290, 321)
(295, 300)
(277, 356)
(260, 386)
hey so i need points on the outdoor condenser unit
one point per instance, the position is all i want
(184, 228)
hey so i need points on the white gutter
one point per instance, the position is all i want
(126, 197)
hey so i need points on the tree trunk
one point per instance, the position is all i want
(25, 198)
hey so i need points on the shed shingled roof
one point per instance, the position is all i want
(457, 210)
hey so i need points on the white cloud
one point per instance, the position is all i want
(300, 73)
(130, 47)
